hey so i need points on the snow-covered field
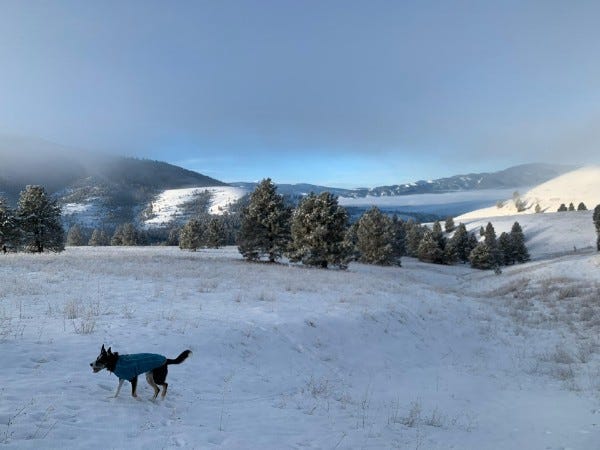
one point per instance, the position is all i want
(170, 204)
(417, 357)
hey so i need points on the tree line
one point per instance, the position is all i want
(318, 233)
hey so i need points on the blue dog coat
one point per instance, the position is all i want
(130, 366)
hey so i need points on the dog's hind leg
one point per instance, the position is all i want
(133, 382)
(150, 380)
(119, 387)
(159, 376)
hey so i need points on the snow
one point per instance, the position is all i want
(169, 205)
(421, 356)
(581, 185)
(88, 214)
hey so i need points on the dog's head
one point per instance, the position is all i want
(105, 360)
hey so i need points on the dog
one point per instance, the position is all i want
(128, 367)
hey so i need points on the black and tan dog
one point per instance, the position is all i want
(128, 367)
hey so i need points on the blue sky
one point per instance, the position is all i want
(341, 93)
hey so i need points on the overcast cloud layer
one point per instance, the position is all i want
(338, 92)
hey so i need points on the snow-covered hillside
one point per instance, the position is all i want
(419, 356)
(170, 205)
(582, 185)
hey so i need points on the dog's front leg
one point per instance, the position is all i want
(119, 387)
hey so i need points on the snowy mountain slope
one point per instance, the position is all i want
(418, 356)
(169, 205)
(581, 185)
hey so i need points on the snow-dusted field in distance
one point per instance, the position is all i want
(417, 357)
(169, 204)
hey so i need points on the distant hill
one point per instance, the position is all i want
(511, 178)
(110, 189)
(581, 185)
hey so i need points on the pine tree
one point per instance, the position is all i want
(214, 234)
(375, 238)
(520, 253)
(76, 236)
(39, 219)
(130, 235)
(449, 225)
(99, 238)
(505, 247)
(429, 249)
(562, 208)
(538, 208)
(571, 207)
(481, 257)
(318, 231)
(439, 237)
(461, 244)
(173, 236)
(399, 237)
(486, 254)
(191, 235)
(265, 224)
(9, 230)
(596, 219)
(581, 207)
(414, 235)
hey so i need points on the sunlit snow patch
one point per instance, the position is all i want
(170, 205)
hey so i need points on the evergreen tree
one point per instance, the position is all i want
(318, 230)
(505, 247)
(191, 235)
(375, 238)
(481, 231)
(461, 244)
(39, 219)
(214, 234)
(438, 235)
(351, 239)
(76, 236)
(562, 208)
(520, 253)
(399, 237)
(414, 235)
(173, 237)
(99, 238)
(265, 224)
(449, 225)
(9, 230)
(429, 249)
(129, 234)
(596, 219)
(581, 207)
(571, 207)
(117, 237)
(538, 208)
(486, 254)
(481, 257)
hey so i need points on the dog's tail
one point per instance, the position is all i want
(181, 358)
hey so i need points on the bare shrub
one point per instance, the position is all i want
(414, 415)
(73, 309)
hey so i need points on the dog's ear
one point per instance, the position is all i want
(109, 349)
(102, 349)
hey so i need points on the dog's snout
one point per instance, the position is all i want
(91, 364)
